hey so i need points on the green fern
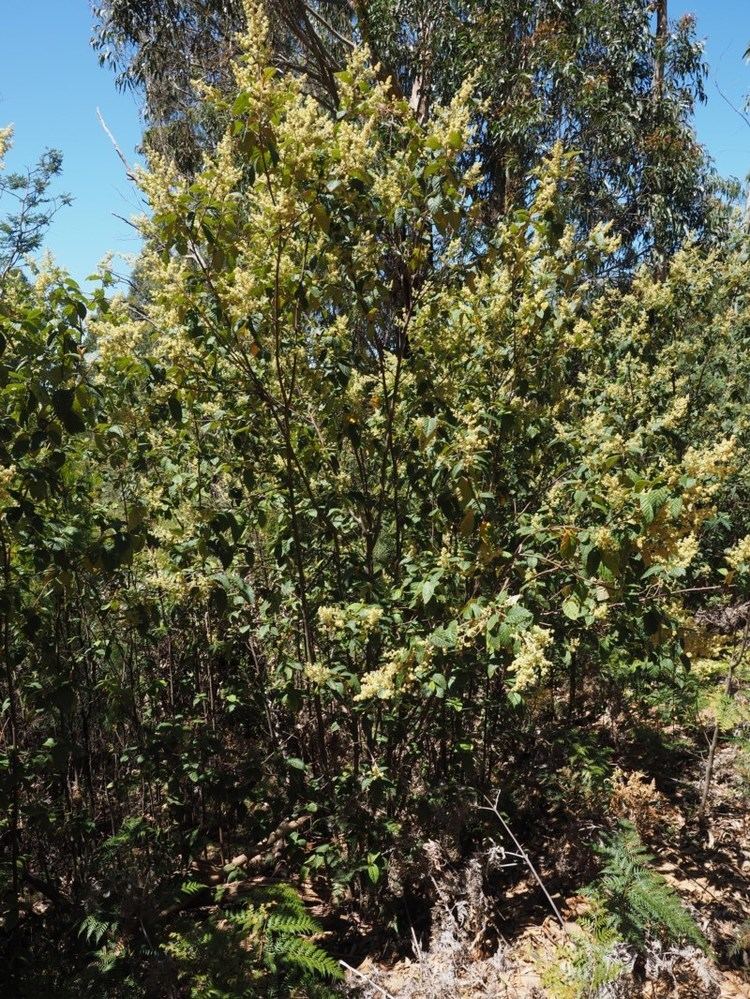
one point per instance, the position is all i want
(306, 957)
(582, 963)
(286, 929)
(265, 948)
(292, 924)
(107, 958)
(192, 888)
(641, 904)
(94, 929)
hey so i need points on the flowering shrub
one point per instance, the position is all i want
(352, 500)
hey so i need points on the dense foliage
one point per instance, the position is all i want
(363, 502)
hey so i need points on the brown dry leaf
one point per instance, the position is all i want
(734, 987)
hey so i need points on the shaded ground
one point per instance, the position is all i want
(492, 934)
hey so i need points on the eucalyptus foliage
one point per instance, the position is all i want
(608, 79)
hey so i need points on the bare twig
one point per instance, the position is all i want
(129, 222)
(733, 107)
(364, 978)
(735, 662)
(746, 120)
(492, 807)
(329, 27)
(128, 169)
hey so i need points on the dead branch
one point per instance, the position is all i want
(129, 173)
(492, 807)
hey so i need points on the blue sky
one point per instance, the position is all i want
(51, 85)
(725, 26)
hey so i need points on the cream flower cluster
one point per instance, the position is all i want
(7, 474)
(363, 618)
(317, 673)
(604, 540)
(6, 141)
(530, 660)
(381, 682)
(739, 556)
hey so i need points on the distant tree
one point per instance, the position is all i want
(32, 206)
(606, 78)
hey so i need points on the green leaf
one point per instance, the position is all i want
(571, 608)
(428, 589)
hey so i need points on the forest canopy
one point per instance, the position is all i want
(381, 551)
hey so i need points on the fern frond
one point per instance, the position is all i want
(281, 895)
(658, 909)
(640, 902)
(192, 888)
(307, 957)
(107, 958)
(266, 939)
(94, 929)
(292, 924)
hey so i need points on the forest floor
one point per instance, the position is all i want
(485, 944)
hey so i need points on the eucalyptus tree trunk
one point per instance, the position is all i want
(662, 16)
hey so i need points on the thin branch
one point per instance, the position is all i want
(128, 169)
(736, 110)
(492, 807)
(329, 27)
(129, 222)
(359, 974)
(733, 665)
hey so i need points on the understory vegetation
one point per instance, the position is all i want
(375, 562)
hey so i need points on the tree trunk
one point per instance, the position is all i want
(661, 43)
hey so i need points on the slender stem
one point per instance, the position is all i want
(492, 807)
(13, 714)
(736, 660)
